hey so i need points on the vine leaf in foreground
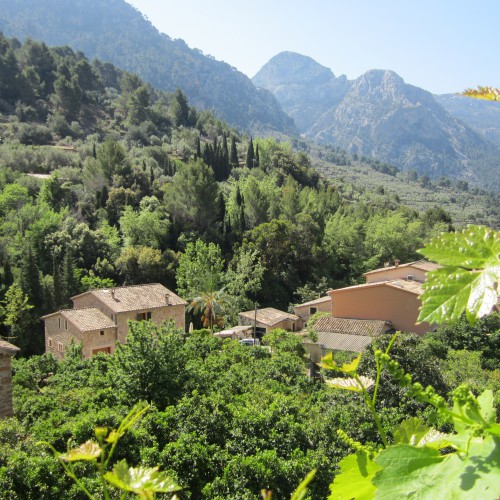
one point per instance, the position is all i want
(424, 470)
(355, 479)
(468, 279)
(144, 481)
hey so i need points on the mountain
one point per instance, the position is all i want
(379, 115)
(114, 31)
(483, 116)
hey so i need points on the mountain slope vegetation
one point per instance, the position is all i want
(114, 31)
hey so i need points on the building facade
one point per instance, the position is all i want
(99, 318)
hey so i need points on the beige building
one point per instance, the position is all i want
(307, 309)
(7, 350)
(99, 318)
(390, 294)
(269, 319)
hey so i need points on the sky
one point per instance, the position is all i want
(442, 46)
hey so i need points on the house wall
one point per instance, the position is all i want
(90, 300)
(158, 316)
(397, 273)
(61, 335)
(5, 385)
(379, 302)
(305, 311)
(94, 340)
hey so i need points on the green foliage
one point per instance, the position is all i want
(469, 277)
(143, 481)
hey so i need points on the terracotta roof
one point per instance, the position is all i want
(343, 342)
(8, 348)
(269, 316)
(86, 319)
(408, 286)
(363, 327)
(327, 298)
(136, 297)
(345, 334)
(422, 264)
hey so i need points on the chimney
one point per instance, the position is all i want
(167, 298)
(113, 293)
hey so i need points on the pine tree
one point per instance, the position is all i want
(250, 155)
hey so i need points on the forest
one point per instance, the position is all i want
(106, 181)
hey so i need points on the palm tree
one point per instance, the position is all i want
(211, 305)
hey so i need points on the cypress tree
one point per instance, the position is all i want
(234, 154)
(198, 148)
(257, 158)
(225, 158)
(250, 155)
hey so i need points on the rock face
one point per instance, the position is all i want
(378, 115)
(482, 116)
(304, 88)
(114, 31)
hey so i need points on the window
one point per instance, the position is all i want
(144, 316)
(65, 324)
(60, 347)
(102, 332)
(106, 350)
(49, 342)
(312, 310)
(59, 322)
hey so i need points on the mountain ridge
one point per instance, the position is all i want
(96, 28)
(379, 115)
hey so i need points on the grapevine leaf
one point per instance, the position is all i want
(351, 384)
(469, 279)
(425, 474)
(410, 431)
(487, 409)
(414, 432)
(355, 478)
(329, 364)
(89, 450)
(488, 93)
(144, 481)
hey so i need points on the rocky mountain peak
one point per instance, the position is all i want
(290, 68)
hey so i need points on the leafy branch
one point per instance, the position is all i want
(145, 482)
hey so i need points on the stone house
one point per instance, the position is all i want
(307, 309)
(99, 318)
(7, 350)
(389, 294)
(268, 319)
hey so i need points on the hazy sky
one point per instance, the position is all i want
(440, 45)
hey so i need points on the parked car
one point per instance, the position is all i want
(250, 342)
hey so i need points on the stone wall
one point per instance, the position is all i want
(6, 352)
(58, 338)
(158, 316)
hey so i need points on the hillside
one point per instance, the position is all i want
(114, 31)
(481, 115)
(378, 115)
